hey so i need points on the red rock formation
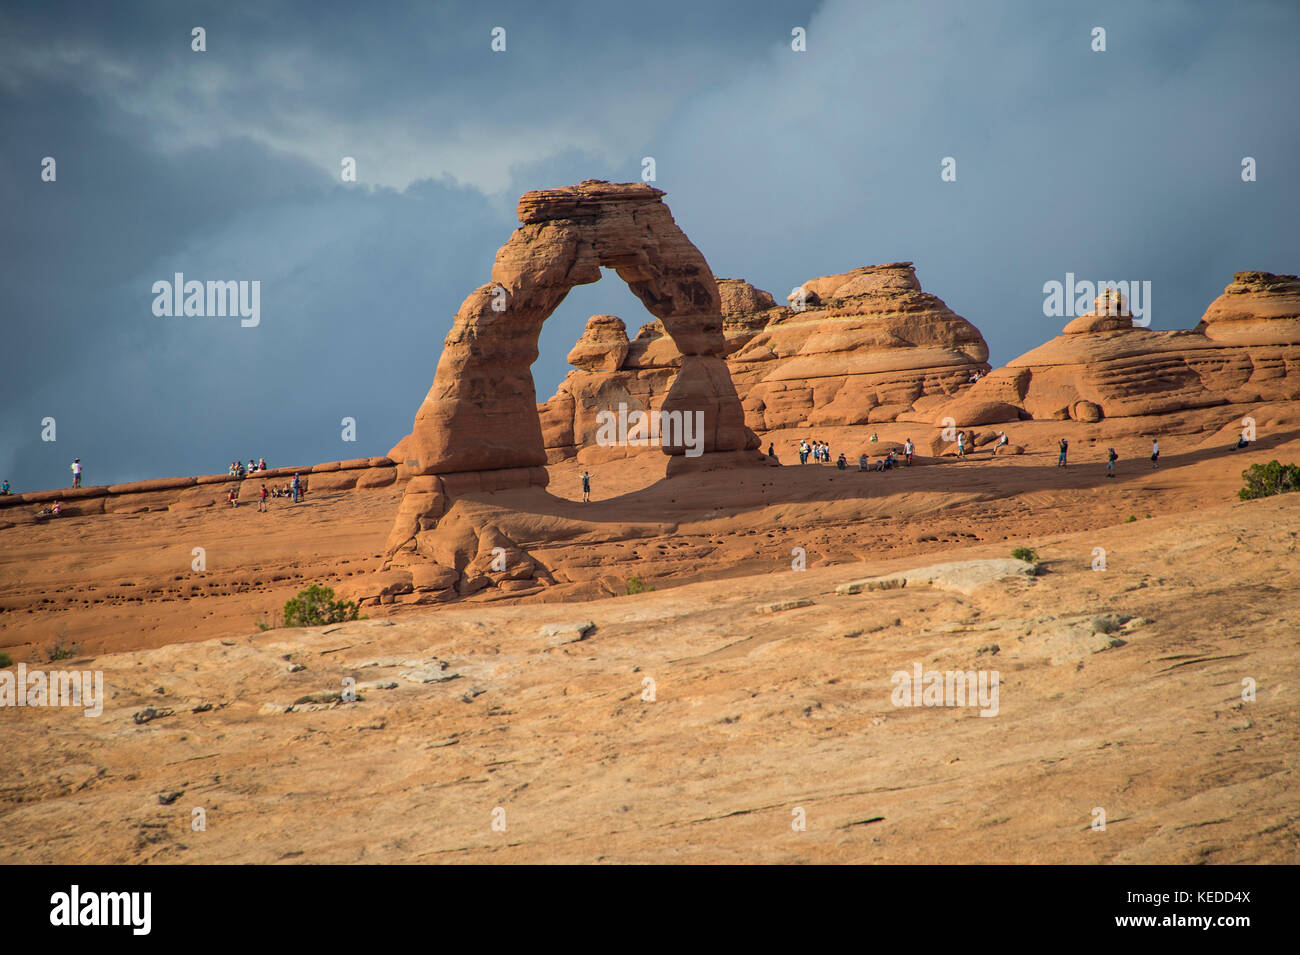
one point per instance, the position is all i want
(869, 345)
(479, 428)
(1246, 350)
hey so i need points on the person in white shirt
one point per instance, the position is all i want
(76, 473)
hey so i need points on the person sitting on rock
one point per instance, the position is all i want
(874, 437)
(58, 508)
(842, 463)
(261, 464)
(231, 499)
(863, 462)
(1241, 443)
(4, 488)
(771, 451)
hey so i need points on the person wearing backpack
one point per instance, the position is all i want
(1111, 458)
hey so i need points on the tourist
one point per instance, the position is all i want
(803, 452)
(76, 472)
(862, 462)
(842, 463)
(297, 488)
(874, 437)
(961, 444)
(261, 502)
(771, 451)
(4, 488)
(1111, 458)
(58, 508)
(261, 464)
(231, 499)
(908, 450)
(1155, 453)
(586, 487)
(1065, 448)
(1003, 441)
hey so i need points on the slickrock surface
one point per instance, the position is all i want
(685, 727)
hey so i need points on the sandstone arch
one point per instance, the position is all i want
(478, 427)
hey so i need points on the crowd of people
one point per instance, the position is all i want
(237, 469)
(294, 489)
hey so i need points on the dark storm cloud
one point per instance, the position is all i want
(779, 165)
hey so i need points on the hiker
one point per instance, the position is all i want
(4, 488)
(874, 437)
(1155, 453)
(771, 451)
(261, 501)
(961, 444)
(1003, 441)
(842, 463)
(908, 450)
(586, 487)
(297, 489)
(890, 460)
(1065, 448)
(1241, 442)
(803, 453)
(1111, 458)
(862, 462)
(76, 472)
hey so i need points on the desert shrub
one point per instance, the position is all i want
(6, 660)
(638, 586)
(315, 605)
(1027, 554)
(62, 649)
(1264, 480)
(1132, 519)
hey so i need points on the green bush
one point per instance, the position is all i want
(6, 660)
(1264, 480)
(1027, 554)
(315, 605)
(638, 586)
(1132, 518)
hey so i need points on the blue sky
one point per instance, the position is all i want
(780, 166)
